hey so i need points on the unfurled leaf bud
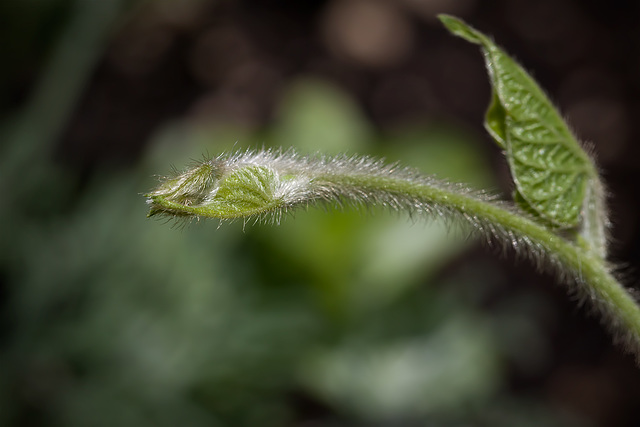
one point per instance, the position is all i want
(243, 185)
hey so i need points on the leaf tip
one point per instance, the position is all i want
(461, 29)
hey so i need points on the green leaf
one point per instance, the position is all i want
(461, 29)
(549, 168)
(246, 191)
(549, 178)
(250, 190)
(495, 121)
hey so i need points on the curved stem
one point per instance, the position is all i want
(269, 183)
(621, 314)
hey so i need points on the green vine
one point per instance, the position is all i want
(557, 219)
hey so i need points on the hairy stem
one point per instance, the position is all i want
(621, 314)
(267, 184)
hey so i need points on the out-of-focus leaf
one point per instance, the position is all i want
(316, 117)
(407, 378)
(440, 149)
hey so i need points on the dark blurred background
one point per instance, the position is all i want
(338, 318)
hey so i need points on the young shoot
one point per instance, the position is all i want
(557, 217)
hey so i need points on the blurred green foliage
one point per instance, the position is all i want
(339, 318)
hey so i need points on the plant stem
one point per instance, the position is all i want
(619, 311)
(258, 184)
